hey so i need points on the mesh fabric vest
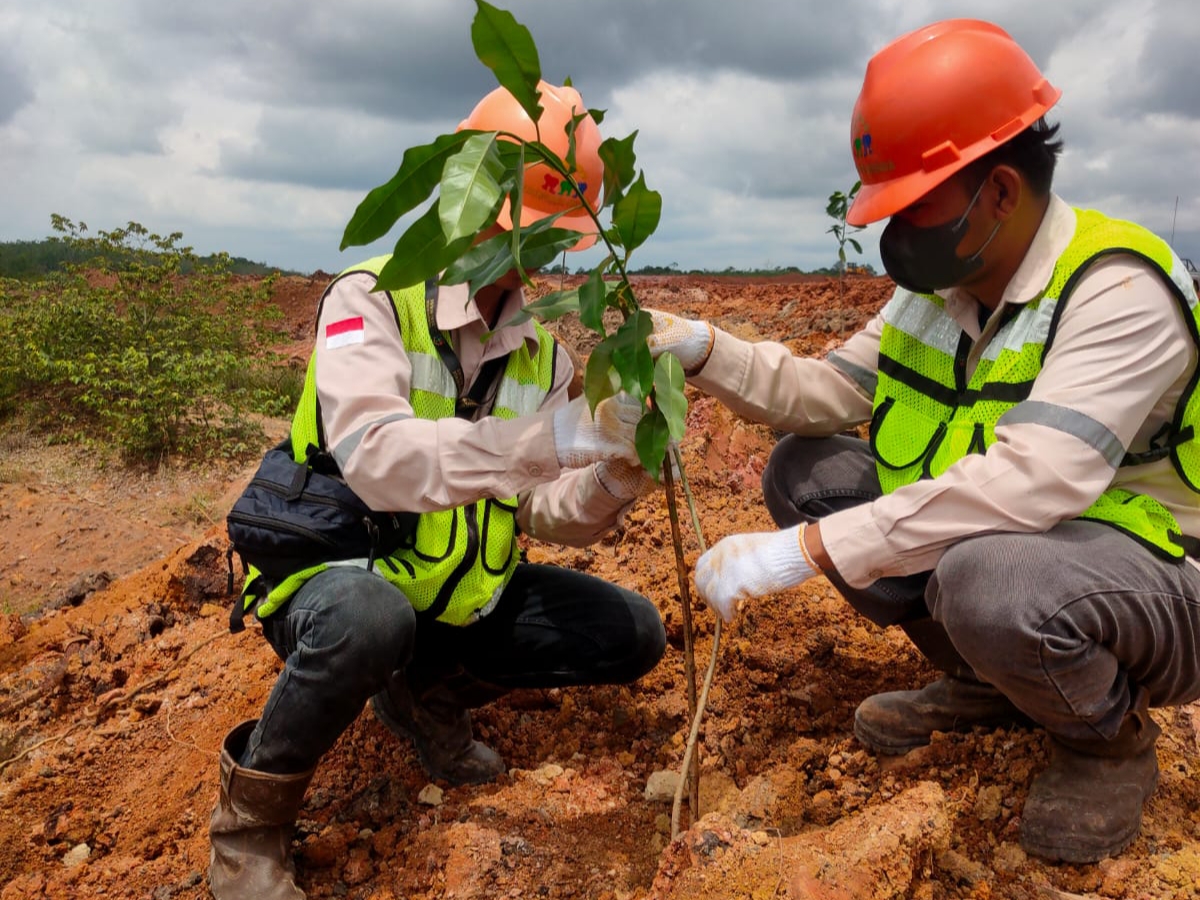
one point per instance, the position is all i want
(460, 559)
(927, 415)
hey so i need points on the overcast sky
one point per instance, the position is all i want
(257, 127)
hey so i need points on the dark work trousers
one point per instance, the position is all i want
(1065, 623)
(344, 633)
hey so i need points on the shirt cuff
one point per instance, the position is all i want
(529, 443)
(853, 540)
(727, 364)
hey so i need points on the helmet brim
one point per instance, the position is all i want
(874, 202)
(886, 198)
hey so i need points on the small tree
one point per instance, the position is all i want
(839, 205)
(121, 350)
(472, 172)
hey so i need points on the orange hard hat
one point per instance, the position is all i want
(543, 192)
(934, 101)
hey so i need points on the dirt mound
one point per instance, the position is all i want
(113, 701)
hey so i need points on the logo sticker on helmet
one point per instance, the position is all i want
(552, 185)
(862, 145)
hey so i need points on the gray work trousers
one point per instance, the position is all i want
(1065, 623)
(346, 631)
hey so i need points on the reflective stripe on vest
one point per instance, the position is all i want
(927, 416)
(461, 559)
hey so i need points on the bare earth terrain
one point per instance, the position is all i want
(118, 679)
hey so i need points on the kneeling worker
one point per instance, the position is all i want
(457, 619)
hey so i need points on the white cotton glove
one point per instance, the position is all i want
(742, 566)
(624, 480)
(691, 340)
(628, 481)
(580, 440)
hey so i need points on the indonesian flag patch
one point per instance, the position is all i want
(344, 333)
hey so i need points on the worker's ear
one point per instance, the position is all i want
(1005, 188)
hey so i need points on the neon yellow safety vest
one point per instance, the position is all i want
(926, 416)
(460, 559)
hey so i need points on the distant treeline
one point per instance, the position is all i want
(35, 259)
(673, 269)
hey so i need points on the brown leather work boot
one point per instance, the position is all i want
(439, 725)
(1088, 804)
(899, 721)
(251, 828)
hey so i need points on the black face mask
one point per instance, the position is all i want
(922, 260)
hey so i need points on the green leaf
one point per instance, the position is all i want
(597, 115)
(553, 306)
(506, 47)
(623, 299)
(571, 128)
(593, 295)
(619, 160)
(495, 252)
(598, 382)
(651, 438)
(512, 155)
(636, 215)
(550, 307)
(631, 356)
(668, 393)
(855, 244)
(470, 193)
(487, 261)
(419, 173)
(541, 247)
(421, 253)
(515, 201)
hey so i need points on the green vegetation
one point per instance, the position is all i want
(837, 208)
(473, 172)
(37, 259)
(833, 270)
(121, 350)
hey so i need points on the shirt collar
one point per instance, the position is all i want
(456, 311)
(1051, 239)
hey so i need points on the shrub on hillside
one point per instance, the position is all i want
(124, 351)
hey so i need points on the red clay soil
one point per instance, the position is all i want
(118, 678)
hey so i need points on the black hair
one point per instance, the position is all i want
(1033, 153)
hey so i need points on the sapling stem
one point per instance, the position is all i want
(689, 772)
(702, 701)
(689, 775)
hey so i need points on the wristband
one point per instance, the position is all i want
(804, 551)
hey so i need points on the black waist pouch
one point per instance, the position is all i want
(293, 515)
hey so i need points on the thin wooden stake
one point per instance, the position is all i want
(708, 676)
(690, 775)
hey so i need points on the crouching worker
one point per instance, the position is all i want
(1026, 508)
(480, 438)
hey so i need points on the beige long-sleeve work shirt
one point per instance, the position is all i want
(396, 461)
(1122, 356)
